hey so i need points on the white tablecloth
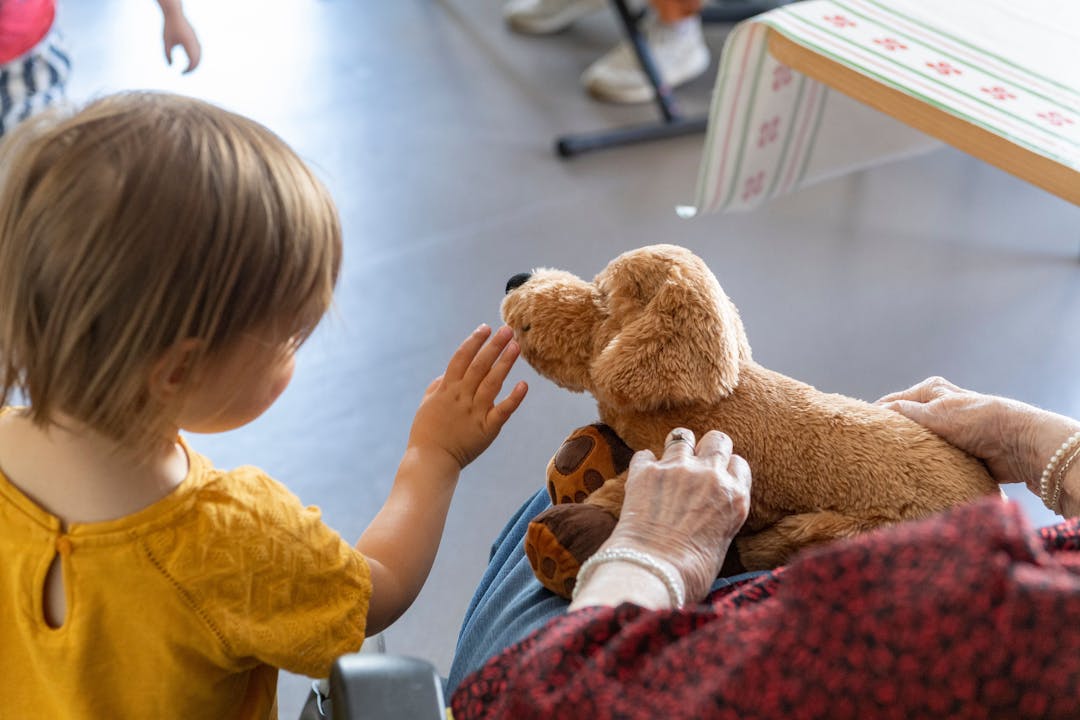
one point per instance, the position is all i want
(1012, 68)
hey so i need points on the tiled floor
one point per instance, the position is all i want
(433, 125)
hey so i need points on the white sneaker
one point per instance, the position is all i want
(680, 54)
(542, 17)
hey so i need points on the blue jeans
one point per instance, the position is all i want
(510, 603)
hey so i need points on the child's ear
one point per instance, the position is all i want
(173, 369)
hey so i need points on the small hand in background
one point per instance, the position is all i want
(458, 413)
(178, 31)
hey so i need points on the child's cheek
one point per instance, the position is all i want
(282, 380)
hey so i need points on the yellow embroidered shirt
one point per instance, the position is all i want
(184, 609)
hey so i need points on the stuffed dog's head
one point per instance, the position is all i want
(653, 330)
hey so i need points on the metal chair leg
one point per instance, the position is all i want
(672, 123)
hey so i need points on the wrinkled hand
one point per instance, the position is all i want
(686, 507)
(458, 414)
(1015, 440)
(178, 31)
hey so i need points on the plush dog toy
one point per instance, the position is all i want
(659, 345)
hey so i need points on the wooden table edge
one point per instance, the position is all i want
(1041, 171)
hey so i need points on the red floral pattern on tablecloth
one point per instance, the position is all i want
(998, 93)
(755, 185)
(890, 44)
(839, 21)
(1055, 118)
(944, 68)
(781, 77)
(769, 131)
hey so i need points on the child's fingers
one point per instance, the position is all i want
(502, 412)
(496, 376)
(482, 362)
(459, 362)
(433, 386)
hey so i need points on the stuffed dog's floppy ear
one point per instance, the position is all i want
(682, 347)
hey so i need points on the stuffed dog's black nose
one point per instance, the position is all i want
(517, 281)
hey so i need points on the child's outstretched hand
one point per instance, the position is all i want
(458, 413)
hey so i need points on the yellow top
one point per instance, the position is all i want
(184, 609)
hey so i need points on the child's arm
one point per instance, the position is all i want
(178, 31)
(457, 420)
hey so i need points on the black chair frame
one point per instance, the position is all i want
(672, 122)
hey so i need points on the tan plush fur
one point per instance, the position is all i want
(658, 344)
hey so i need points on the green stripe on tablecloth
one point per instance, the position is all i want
(1067, 161)
(802, 133)
(813, 135)
(944, 53)
(709, 166)
(932, 79)
(982, 51)
(787, 136)
(746, 121)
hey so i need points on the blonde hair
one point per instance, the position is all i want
(142, 220)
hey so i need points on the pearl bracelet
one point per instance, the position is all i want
(1049, 490)
(644, 560)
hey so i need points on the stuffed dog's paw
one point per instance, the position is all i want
(561, 538)
(586, 459)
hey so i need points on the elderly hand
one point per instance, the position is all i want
(1015, 440)
(684, 509)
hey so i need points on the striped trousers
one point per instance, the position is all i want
(34, 81)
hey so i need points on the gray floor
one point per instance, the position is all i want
(433, 125)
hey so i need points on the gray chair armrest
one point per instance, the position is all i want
(385, 687)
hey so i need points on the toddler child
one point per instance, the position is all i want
(162, 261)
(34, 62)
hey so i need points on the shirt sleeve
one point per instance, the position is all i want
(271, 579)
(965, 614)
(309, 589)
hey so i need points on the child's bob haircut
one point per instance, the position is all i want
(143, 220)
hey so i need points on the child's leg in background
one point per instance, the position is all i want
(677, 46)
(34, 81)
(671, 11)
